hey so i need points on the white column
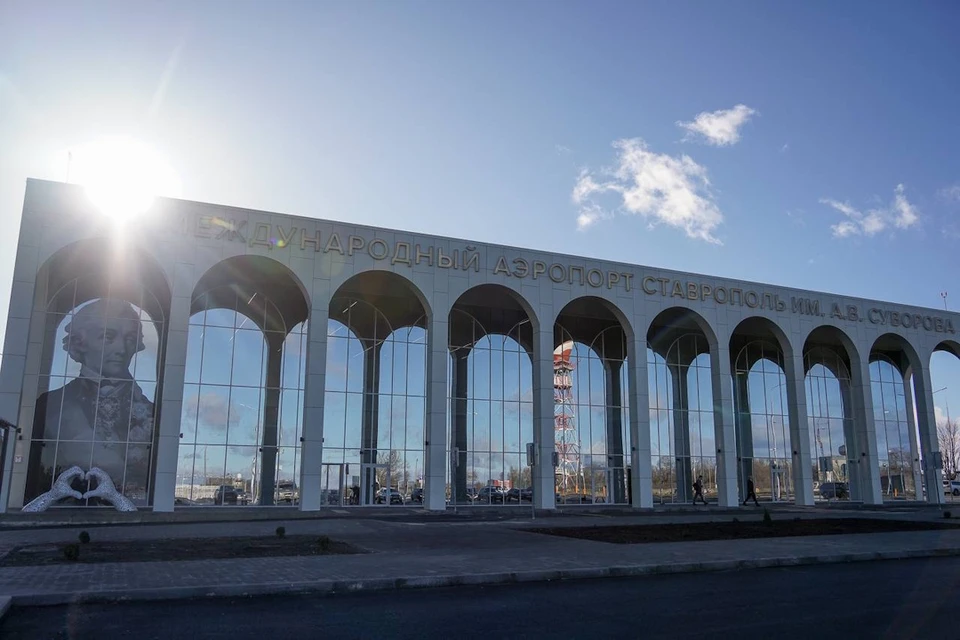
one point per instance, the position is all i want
(544, 486)
(22, 361)
(314, 387)
(641, 474)
(724, 426)
(799, 430)
(435, 433)
(914, 434)
(927, 427)
(10, 436)
(171, 392)
(865, 453)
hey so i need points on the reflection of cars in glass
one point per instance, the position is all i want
(287, 492)
(243, 497)
(417, 496)
(520, 495)
(952, 487)
(184, 502)
(837, 490)
(394, 496)
(225, 495)
(471, 493)
(490, 495)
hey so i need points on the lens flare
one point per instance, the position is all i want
(122, 176)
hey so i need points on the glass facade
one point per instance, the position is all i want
(682, 435)
(763, 422)
(86, 385)
(830, 421)
(895, 435)
(491, 418)
(591, 419)
(97, 391)
(242, 403)
(374, 409)
(945, 366)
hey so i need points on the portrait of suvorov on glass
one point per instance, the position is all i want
(101, 418)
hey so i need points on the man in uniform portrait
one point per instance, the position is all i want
(101, 418)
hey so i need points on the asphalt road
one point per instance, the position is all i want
(893, 599)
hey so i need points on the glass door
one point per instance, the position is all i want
(333, 485)
(375, 484)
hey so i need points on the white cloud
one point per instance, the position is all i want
(661, 188)
(844, 229)
(785, 147)
(900, 214)
(562, 150)
(720, 128)
(906, 213)
(873, 223)
(590, 214)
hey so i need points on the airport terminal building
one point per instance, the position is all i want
(203, 355)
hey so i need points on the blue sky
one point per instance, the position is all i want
(481, 120)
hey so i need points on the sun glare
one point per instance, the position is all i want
(122, 176)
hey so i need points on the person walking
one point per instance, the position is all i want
(751, 492)
(698, 490)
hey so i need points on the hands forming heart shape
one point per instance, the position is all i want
(61, 489)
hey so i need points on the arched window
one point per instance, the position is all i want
(375, 399)
(243, 393)
(896, 442)
(96, 405)
(763, 423)
(830, 422)
(491, 399)
(680, 385)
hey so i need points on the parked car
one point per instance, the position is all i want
(225, 494)
(287, 492)
(952, 487)
(417, 496)
(839, 490)
(490, 495)
(243, 497)
(520, 495)
(394, 496)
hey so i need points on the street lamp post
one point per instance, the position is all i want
(948, 459)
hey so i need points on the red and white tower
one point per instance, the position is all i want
(565, 421)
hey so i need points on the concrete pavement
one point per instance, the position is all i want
(895, 599)
(410, 550)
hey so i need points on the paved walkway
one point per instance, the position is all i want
(416, 551)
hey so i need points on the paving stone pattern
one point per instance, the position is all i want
(425, 553)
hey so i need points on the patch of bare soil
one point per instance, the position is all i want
(699, 531)
(177, 549)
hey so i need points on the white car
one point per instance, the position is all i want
(952, 487)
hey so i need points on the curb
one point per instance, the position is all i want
(450, 580)
(67, 518)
